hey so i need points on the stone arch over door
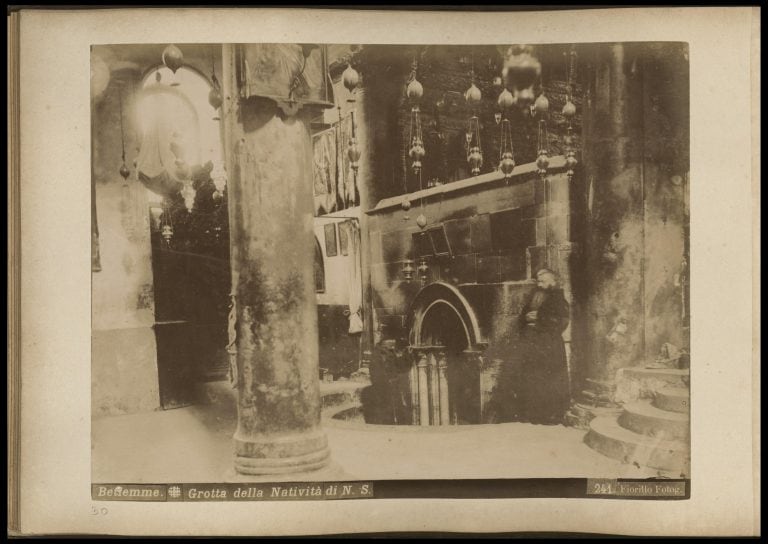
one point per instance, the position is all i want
(444, 339)
(442, 293)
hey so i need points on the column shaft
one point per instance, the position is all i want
(445, 414)
(270, 212)
(423, 391)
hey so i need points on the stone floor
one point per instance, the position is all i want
(193, 444)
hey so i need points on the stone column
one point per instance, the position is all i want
(613, 170)
(269, 164)
(442, 366)
(423, 390)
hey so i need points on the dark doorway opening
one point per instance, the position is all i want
(442, 326)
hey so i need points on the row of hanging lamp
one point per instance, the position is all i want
(473, 96)
(569, 112)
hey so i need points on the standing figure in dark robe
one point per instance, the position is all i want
(544, 394)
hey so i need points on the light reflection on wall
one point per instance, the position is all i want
(179, 103)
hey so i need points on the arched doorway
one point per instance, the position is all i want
(181, 148)
(445, 377)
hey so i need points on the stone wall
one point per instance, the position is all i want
(124, 355)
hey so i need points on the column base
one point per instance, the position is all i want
(302, 452)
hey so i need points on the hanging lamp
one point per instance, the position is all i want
(214, 95)
(569, 112)
(173, 58)
(415, 91)
(124, 171)
(506, 151)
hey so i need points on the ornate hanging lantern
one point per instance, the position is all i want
(474, 149)
(167, 233)
(353, 151)
(173, 58)
(506, 151)
(416, 151)
(423, 269)
(542, 161)
(166, 224)
(350, 78)
(408, 269)
(415, 91)
(569, 112)
(570, 155)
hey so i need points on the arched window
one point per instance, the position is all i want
(176, 123)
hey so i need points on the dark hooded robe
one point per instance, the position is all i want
(543, 392)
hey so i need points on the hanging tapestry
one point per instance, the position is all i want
(347, 189)
(324, 171)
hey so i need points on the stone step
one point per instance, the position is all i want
(643, 418)
(671, 375)
(341, 392)
(673, 399)
(606, 436)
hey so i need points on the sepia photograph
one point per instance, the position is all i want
(430, 271)
(317, 262)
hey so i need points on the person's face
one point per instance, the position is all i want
(545, 280)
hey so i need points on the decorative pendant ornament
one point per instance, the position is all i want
(173, 58)
(498, 83)
(415, 90)
(569, 110)
(350, 78)
(421, 220)
(474, 149)
(473, 95)
(406, 205)
(506, 100)
(541, 106)
(124, 171)
(214, 98)
(497, 117)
